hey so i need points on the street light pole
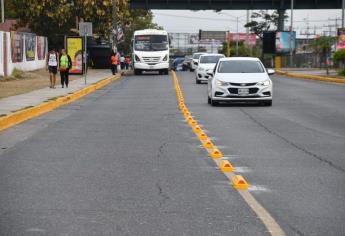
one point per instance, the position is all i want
(291, 34)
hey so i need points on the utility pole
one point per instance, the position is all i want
(291, 34)
(343, 14)
(2, 11)
(114, 31)
(237, 36)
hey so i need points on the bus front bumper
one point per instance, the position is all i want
(147, 67)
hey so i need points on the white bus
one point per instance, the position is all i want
(151, 51)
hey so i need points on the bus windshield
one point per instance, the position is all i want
(151, 43)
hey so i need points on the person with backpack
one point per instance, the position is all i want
(65, 63)
(52, 66)
(114, 62)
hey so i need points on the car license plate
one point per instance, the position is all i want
(243, 91)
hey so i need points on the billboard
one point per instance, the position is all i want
(17, 46)
(341, 39)
(212, 35)
(269, 42)
(41, 47)
(241, 37)
(282, 42)
(74, 46)
(30, 47)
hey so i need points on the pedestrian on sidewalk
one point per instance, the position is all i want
(122, 62)
(52, 67)
(127, 62)
(114, 62)
(65, 63)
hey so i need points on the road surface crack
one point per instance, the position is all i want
(320, 158)
(164, 197)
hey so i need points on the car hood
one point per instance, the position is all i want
(242, 77)
(208, 66)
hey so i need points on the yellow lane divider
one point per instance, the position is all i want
(29, 113)
(225, 166)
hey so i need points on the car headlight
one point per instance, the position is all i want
(264, 83)
(221, 83)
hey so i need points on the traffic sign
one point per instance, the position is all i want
(85, 28)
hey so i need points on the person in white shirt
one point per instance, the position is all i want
(52, 66)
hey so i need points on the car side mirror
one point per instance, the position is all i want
(270, 72)
(195, 63)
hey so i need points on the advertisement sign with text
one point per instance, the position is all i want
(341, 39)
(241, 37)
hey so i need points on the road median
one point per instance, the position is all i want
(311, 77)
(22, 115)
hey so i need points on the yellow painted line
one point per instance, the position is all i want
(270, 223)
(311, 77)
(26, 114)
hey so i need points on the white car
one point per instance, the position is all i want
(240, 79)
(195, 60)
(206, 62)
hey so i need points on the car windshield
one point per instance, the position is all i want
(197, 56)
(209, 59)
(151, 43)
(240, 66)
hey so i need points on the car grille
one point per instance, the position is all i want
(151, 60)
(251, 90)
(243, 84)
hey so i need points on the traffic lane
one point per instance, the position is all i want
(294, 166)
(121, 161)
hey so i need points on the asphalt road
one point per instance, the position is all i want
(292, 153)
(123, 162)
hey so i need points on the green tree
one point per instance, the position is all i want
(57, 18)
(322, 47)
(263, 21)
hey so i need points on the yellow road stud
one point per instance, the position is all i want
(226, 166)
(189, 118)
(193, 123)
(202, 136)
(185, 109)
(239, 182)
(208, 144)
(186, 114)
(197, 129)
(216, 154)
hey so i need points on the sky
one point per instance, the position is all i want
(185, 21)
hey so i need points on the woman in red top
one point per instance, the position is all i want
(127, 62)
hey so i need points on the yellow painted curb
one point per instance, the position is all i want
(239, 182)
(26, 114)
(311, 77)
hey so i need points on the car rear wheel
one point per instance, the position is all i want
(197, 81)
(208, 100)
(191, 70)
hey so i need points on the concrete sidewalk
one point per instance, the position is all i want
(14, 103)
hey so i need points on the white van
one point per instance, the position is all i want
(151, 51)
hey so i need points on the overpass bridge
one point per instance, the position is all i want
(234, 4)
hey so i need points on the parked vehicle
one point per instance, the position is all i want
(206, 62)
(195, 60)
(240, 79)
(151, 51)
